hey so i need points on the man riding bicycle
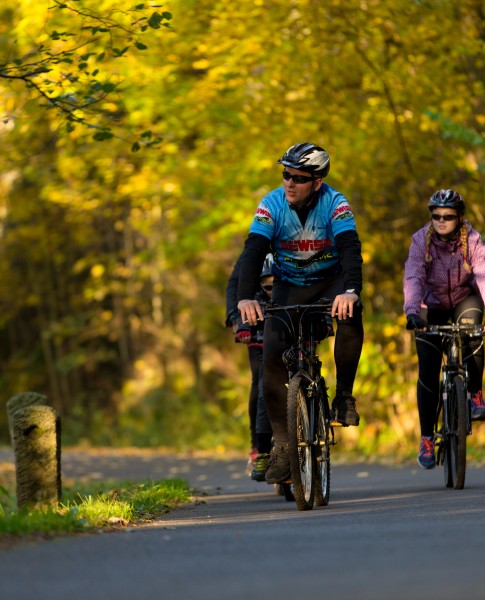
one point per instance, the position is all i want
(310, 229)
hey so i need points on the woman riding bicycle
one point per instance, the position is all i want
(444, 279)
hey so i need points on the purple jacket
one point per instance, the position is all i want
(443, 282)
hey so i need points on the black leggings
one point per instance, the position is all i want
(430, 355)
(256, 367)
(348, 346)
(260, 425)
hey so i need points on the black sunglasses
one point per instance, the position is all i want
(267, 287)
(297, 178)
(437, 217)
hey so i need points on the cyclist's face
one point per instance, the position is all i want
(297, 193)
(441, 226)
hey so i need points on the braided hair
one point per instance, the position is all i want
(464, 229)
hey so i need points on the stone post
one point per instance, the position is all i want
(35, 432)
(21, 401)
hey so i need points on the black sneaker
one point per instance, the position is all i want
(343, 411)
(278, 465)
(260, 467)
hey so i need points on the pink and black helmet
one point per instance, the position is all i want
(447, 199)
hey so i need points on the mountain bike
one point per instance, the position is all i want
(453, 419)
(310, 430)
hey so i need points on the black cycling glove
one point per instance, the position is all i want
(416, 322)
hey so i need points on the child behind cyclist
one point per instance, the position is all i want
(444, 279)
(260, 426)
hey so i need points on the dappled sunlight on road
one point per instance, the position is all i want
(242, 509)
(214, 478)
(208, 472)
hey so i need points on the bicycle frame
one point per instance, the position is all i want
(453, 335)
(307, 401)
(308, 364)
(454, 407)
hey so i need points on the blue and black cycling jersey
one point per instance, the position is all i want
(304, 253)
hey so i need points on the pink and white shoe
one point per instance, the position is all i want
(253, 455)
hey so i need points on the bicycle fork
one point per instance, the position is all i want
(447, 429)
(313, 407)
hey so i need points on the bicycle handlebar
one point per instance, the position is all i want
(324, 306)
(456, 329)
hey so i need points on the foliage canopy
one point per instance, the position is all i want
(113, 264)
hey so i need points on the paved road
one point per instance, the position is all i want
(389, 532)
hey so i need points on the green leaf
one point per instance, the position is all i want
(453, 130)
(154, 142)
(135, 147)
(100, 136)
(155, 20)
(119, 53)
(141, 46)
(108, 87)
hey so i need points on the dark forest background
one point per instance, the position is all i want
(137, 142)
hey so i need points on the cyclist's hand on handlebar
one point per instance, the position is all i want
(343, 305)
(416, 322)
(250, 311)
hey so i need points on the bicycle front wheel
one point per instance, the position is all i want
(322, 450)
(300, 444)
(455, 430)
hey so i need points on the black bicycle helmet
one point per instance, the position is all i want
(267, 266)
(307, 157)
(447, 199)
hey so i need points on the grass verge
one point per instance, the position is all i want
(93, 506)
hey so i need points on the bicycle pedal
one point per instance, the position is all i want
(336, 424)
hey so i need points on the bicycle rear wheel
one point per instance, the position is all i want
(300, 445)
(322, 450)
(455, 431)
